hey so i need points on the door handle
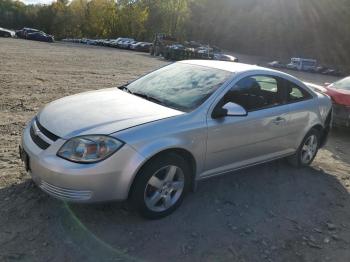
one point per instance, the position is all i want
(279, 120)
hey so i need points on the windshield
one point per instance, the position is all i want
(179, 85)
(342, 84)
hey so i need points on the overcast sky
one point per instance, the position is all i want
(37, 1)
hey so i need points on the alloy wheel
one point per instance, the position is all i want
(309, 149)
(164, 188)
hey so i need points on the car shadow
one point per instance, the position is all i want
(270, 211)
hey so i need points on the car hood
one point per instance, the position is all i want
(100, 112)
(339, 96)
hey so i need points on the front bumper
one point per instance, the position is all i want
(107, 180)
(341, 115)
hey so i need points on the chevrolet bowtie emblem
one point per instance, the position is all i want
(36, 129)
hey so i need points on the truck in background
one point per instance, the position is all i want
(302, 64)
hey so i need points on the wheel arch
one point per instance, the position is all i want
(318, 127)
(187, 155)
(324, 130)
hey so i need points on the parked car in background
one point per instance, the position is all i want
(340, 94)
(205, 50)
(120, 42)
(328, 71)
(177, 46)
(276, 64)
(23, 33)
(225, 57)
(100, 42)
(40, 36)
(113, 42)
(125, 42)
(333, 72)
(104, 42)
(150, 141)
(6, 33)
(302, 64)
(19, 33)
(141, 46)
(320, 69)
(91, 42)
(133, 46)
(34, 34)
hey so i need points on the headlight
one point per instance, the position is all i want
(89, 149)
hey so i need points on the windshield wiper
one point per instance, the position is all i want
(142, 95)
(149, 98)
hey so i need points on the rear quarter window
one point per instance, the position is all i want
(295, 93)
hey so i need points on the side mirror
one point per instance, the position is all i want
(234, 109)
(229, 109)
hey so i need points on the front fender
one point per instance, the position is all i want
(196, 147)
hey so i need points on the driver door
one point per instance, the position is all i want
(238, 141)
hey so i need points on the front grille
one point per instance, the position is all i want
(64, 193)
(38, 133)
(38, 140)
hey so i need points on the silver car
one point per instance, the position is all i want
(150, 141)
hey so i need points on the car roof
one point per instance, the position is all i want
(237, 68)
(228, 66)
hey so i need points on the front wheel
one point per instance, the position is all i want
(160, 186)
(307, 150)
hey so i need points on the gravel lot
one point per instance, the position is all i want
(271, 212)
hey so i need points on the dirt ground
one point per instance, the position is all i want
(271, 212)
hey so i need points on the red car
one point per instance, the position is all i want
(340, 93)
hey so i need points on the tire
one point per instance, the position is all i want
(154, 195)
(305, 153)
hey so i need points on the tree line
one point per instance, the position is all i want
(274, 28)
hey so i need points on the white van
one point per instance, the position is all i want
(302, 64)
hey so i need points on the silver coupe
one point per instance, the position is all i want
(151, 140)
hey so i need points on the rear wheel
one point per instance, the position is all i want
(307, 150)
(160, 186)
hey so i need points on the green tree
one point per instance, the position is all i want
(274, 28)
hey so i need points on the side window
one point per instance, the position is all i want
(296, 93)
(257, 92)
